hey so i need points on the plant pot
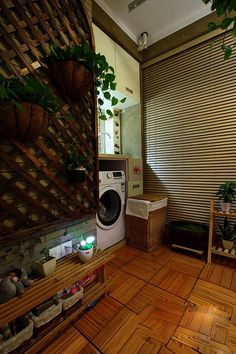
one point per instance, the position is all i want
(85, 255)
(225, 207)
(46, 268)
(228, 244)
(31, 123)
(72, 78)
(77, 175)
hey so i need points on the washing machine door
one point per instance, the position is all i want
(110, 208)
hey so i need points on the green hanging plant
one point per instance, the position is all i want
(225, 8)
(102, 73)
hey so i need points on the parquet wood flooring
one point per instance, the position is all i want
(161, 302)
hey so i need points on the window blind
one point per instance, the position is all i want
(189, 128)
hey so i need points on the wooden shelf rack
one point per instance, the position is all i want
(212, 248)
(69, 270)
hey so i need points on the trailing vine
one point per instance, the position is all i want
(225, 8)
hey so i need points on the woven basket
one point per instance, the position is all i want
(70, 301)
(47, 315)
(144, 234)
(15, 341)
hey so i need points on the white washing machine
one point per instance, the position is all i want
(111, 215)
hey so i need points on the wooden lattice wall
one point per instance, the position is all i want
(34, 188)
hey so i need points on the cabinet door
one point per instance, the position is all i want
(104, 45)
(127, 74)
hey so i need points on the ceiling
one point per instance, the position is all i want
(158, 18)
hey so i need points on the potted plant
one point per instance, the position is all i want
(46, 265)
(226, 193)
(75, 164)
(75, 68)
(228, 233)
(85, 249)
(24, 107)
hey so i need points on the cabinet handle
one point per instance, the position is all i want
(136, 186)
(129, 90)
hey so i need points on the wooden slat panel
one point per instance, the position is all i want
(34, 170)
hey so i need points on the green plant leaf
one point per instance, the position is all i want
(227, 51)
(113, 86)
(107, 95)
(123, 100)
(226, 23)
(212, 26)
(102, 117)
(114, 101)
(109, 112)
(100, 102)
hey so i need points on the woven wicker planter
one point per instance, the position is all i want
(31, 123)
(73, 79)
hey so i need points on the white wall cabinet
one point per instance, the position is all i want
(127, 74)
(126, 67)
(105, 45)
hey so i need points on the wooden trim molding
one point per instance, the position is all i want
(179, 38)
(108, 26)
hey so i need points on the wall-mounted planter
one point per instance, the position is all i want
(30, 123)
(72, 78)
(77, 175)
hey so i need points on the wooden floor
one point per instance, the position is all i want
(163, 302)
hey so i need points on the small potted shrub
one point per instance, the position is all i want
(226, 194)
(85, 249)
(75, 69)
(75, 164)
(46, 265)
(228, 233)
(24, 108)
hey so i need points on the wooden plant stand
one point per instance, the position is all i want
(212, 248)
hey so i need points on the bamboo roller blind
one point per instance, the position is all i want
(190, 128)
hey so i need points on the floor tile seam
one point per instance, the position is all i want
(126, 272)
(87, 338)
(117, 330)
(130, 261)
(158, 287)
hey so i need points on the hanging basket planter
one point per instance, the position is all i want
(71, 78)
(77, 175)
(30, 123)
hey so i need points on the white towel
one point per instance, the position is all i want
(138, 208)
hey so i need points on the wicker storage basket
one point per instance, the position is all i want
(15, 341)
(70, 301)
(144, 234)
(47, 315)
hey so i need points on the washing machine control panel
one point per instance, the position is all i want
(111, 176)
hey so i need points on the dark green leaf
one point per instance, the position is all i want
(113, 86)
(103, 117)
(107, 95)
(226, 22)
(212, 26)
(123, 100)
(109, 112)
(100, 102)
(227, 51)
(114, 101)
